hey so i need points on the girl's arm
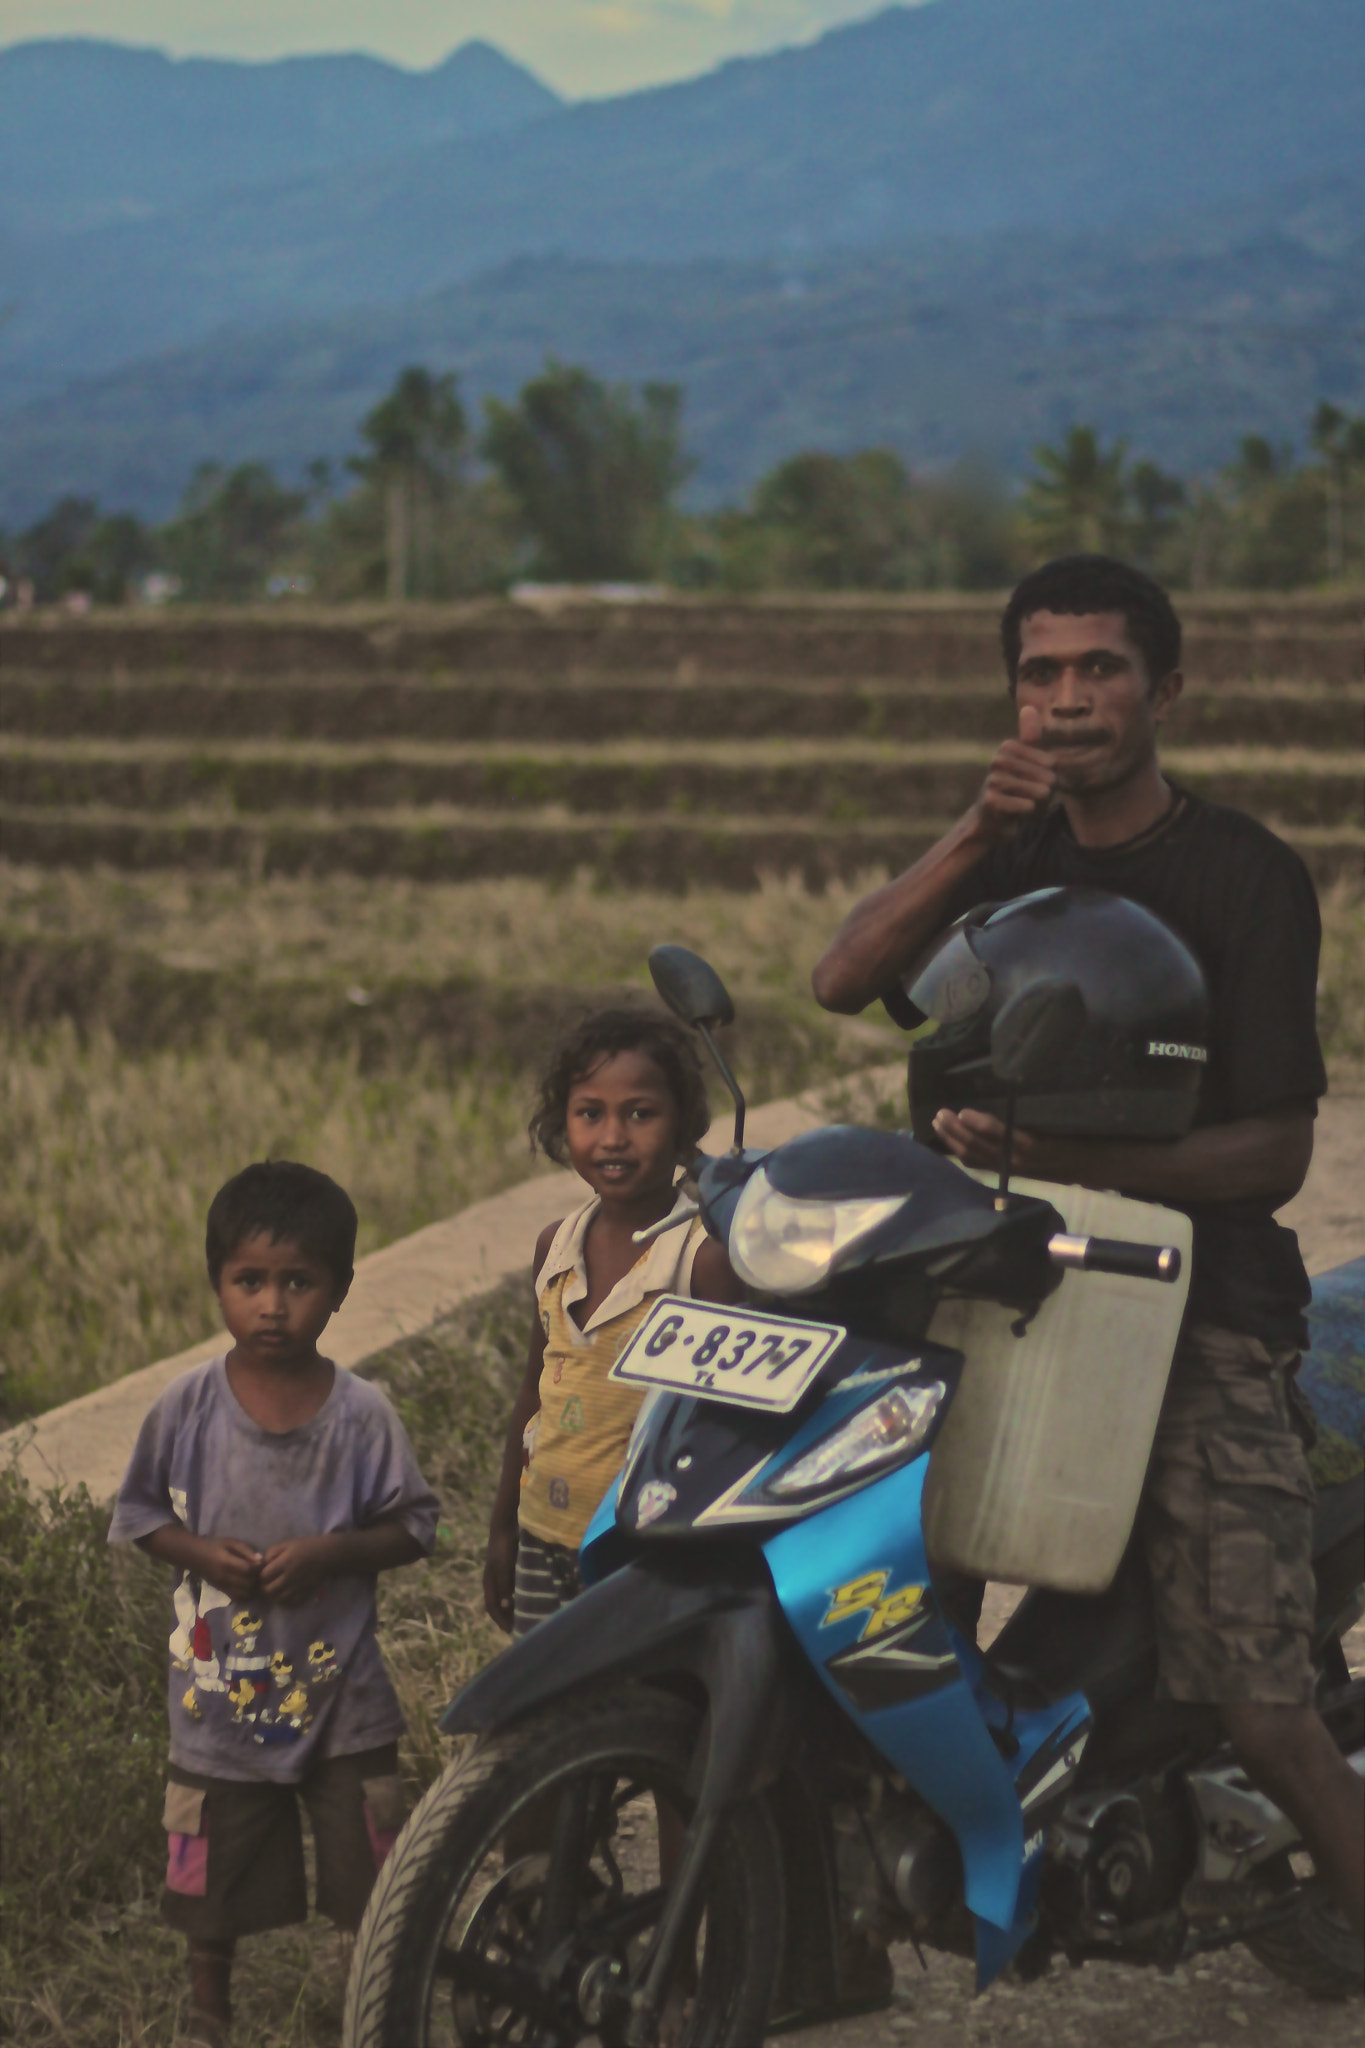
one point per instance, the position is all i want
(713, 1277)
(500, 1561)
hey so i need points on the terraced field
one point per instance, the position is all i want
(661, 747)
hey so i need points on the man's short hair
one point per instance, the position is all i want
(287, 1203)
(1081, 584)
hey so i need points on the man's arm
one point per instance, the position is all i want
(1257, 1155)
(888, 930)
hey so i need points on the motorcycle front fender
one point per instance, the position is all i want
(710, 1622)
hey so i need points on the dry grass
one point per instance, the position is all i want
(379, 930)
(111, 1163)
(112, 1159)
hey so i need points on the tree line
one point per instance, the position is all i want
(578, 481)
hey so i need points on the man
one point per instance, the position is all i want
(1092, 652)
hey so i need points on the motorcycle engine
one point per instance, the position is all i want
(1118, 1858)
(897, 1863)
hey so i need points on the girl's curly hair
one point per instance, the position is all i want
(601, 1036)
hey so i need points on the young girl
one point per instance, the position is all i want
(624, 1103)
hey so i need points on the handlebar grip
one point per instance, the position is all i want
(1115, 1255)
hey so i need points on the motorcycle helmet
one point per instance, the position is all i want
(1084, 1005)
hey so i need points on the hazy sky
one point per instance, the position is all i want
(579, 46)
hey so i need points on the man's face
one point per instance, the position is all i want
(1090, 686)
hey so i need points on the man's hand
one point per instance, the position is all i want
(500, 1576)
(978, 1140)
(291, 1571)
(1019, 781)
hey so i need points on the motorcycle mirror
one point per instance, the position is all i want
(1033, 1038)
(695, 992)
(690, 986)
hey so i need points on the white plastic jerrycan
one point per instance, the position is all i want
(1036, 1475)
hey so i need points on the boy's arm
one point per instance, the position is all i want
(287, 1572)
(291, 1571)
(226, 1562)
(500, 1562)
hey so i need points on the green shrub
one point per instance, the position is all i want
(82, 1676)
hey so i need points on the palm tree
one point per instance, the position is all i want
(417, 439)
(1076, 501)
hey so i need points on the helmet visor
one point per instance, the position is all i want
(951, 987)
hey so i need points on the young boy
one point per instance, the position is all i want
(280, 1487)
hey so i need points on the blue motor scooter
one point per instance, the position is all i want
(763, 1744)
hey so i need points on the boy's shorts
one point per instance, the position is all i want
(235, 1862)
(546, 1580)
(1227, 1526)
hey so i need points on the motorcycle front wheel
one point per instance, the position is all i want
(518, 1903)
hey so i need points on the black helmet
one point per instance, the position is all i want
(1085, 1004)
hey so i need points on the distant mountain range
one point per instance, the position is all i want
(971, 220)
(1186, 340)
(93, 133)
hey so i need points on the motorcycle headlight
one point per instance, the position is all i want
(885, 1433)
(781, 1245)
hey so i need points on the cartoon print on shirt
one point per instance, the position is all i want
(182, 1637)
(281, 1670)
(559, 1493)
(322, 1663)
(294, 1709)
(191, 1705)
(244, 1694)
(206, 1669)
(191, 1641)
(573, 1419)
(244, 1629)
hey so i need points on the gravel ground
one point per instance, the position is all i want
(1212, 2002)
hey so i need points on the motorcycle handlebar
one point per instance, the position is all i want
(1114, 1255)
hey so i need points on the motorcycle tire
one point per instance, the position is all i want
(407, 1951)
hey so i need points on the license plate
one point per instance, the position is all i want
(734, 1355)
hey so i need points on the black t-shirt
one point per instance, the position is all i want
(1244, 904)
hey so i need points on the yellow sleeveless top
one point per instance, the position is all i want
(578, 1440)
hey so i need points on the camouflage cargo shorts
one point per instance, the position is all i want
(1226, 1523)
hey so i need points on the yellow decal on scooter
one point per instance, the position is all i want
(892, 1611)
(857, 1597)
(868, 1595)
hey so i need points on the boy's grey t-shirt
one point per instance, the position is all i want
(259, 1690)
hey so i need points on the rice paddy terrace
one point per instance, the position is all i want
(658, 746)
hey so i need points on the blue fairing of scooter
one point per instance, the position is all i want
(938, 1741)
(937, 1732)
